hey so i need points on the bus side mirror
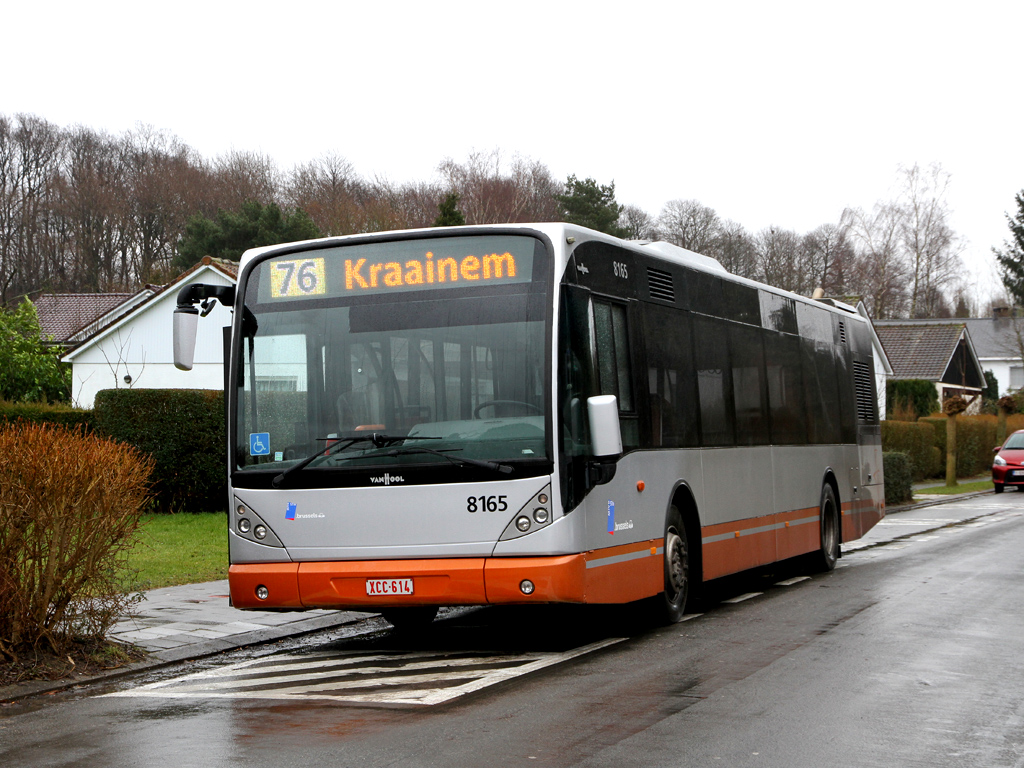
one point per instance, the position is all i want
(186, 321)
(605, 436)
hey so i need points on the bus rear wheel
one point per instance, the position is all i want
(672, 602)
(414, 617)
(828, 552)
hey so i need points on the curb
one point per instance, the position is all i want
(857, 547)
(933, 502)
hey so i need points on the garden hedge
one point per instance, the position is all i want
(183, 429)
(898, 473)
(41, 413)
(975, 437)
(917, 440)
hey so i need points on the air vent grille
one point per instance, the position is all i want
(660, 284)
(862, 383)
(842, 332)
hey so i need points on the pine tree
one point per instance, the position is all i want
(592, 205)
(449, 214)
(234, 232)
(1011, 257)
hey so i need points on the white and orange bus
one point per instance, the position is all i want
(530, 413)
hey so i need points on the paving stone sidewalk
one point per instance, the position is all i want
(183, 622)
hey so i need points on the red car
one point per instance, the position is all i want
(1008, 464)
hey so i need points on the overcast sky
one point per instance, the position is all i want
(772, 113)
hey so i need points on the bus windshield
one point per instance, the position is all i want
(337, 376)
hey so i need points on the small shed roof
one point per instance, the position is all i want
(929, 350)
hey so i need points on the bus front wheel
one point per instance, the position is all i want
(677, 569)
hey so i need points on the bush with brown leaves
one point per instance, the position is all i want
(70, 506)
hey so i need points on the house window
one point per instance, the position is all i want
(1016, 376)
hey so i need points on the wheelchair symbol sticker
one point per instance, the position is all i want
(259, 443)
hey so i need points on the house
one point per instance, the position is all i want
(999, 342)
(939, 351)
(135, 347)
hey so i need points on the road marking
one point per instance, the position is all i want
(420, 678)
(919, 521)
(741, 598)
(791, 582)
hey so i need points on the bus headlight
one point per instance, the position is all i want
(244, 525)
(540, 515)
(526, 587)
(260, 532)
(523, 523)
(262, 593)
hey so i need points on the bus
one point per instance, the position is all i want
(529, 413)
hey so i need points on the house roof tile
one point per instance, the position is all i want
(61, 314)
(919, 350)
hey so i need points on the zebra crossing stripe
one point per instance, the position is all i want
(418, 678)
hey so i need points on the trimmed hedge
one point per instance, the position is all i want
(917, 440)
(183, 429)
(975, 438)
(41, 413)
(898, 473)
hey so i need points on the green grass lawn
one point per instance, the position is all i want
(180, 549)
(962, 487)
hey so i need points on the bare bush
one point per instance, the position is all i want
(70, 505)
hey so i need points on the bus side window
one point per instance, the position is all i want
(671, 379)
(614, 371)
(714, 381)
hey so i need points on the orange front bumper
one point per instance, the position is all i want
(614, 575)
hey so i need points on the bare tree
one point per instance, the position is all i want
(638, 222)
(241, 177)
(331, 192)
(735, 250)
(826, 252)
(932, 248)
(879, 273)
(778, 259)
(488, 194)
(689, 224)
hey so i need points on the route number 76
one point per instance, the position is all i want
(297, 278)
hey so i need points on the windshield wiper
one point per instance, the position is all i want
(492, 465)
(379, 440)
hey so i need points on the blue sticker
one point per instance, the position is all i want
(290, 513)
(611, 517)
(259, 443)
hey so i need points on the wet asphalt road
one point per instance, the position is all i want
(909, 654)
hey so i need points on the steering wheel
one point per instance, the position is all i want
(489, 403)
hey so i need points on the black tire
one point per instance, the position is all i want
(415, 617)
(828, 553)
(998, 487)
(678, 581)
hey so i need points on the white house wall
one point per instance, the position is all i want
(140, 346)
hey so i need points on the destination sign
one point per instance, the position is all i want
(407, 265)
